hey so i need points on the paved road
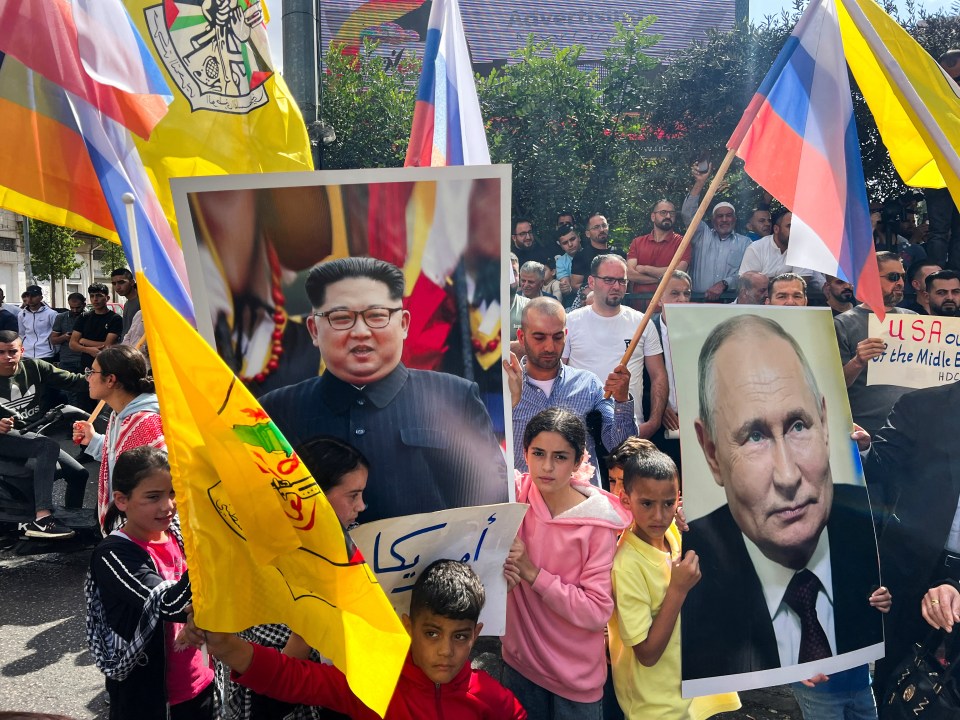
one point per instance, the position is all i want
(44, 663)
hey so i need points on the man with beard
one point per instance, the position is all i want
(598, 233)
(525, 245)
(758, 226)
(838, 294)
(768, 255)
(915, 291)
(943, 293)
(598, 334)
(718, 250)
(649, 255)
(870, 405)
(541, 381)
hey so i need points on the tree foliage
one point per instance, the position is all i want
(111, 257)
(53, 252)
(613, 141)
(369, 102)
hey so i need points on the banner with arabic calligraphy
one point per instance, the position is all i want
(399, 548)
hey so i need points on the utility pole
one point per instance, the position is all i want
(300, 60)
(27, 267)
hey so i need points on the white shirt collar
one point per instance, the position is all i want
(774, 577)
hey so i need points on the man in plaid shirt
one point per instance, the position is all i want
(541, 380)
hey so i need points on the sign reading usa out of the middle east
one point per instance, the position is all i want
(921, 351)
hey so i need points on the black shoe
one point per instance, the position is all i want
(48, 528)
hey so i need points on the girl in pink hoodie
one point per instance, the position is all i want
(559, 574)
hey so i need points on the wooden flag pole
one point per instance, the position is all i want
(687, 237)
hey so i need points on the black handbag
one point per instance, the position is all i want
(923, 685)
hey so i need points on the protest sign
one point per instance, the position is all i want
(922, 351)
(422, 395)
(399, 548)
(772, 485)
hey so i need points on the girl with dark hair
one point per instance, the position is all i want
(341, 472)
(119, 378)
(558, 572)
(138, 592)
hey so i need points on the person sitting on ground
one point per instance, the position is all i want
(437, 680)
(27, 390)
(119, 378)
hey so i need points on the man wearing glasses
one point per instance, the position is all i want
(649, 255)
(598, 234)
(427, 435)
(525, 245)
(870, 405)
(598, 335)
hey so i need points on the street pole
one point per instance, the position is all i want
(300, 58)
(27, 267)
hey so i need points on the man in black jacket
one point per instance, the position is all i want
(25, 393)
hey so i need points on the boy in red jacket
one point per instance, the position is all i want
(436, 682)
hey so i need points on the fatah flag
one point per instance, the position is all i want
(262, 542)
(75, 79)
(447, 124)
(798, 140)
(915, 103)
(231, 112)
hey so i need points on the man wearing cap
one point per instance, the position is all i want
(35, 323)
(718, 250)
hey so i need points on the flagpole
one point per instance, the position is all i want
(687, 237)
(128, 200)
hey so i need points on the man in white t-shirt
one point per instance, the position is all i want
(598, 335)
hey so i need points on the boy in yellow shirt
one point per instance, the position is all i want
(650, 582)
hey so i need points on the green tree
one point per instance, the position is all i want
(53, 253)
(111, 257)
(544, 115)
(566, 130)
(369, 102)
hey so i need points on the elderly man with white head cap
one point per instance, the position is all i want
(717, 250)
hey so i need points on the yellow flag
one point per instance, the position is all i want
(231, 112)
(262, 542)
(915, 103)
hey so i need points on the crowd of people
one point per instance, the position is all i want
(597, 574)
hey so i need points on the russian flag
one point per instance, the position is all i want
(798, 140)
(447, 125)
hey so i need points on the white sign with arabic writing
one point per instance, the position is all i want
(398, 549)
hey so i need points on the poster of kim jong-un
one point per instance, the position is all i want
(773, 492)
(367, 306)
